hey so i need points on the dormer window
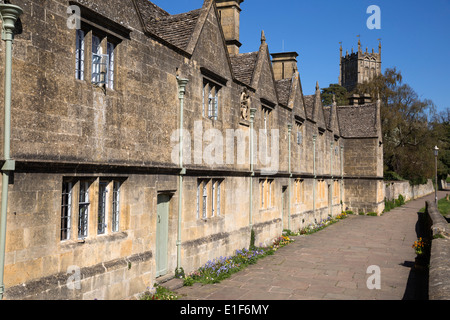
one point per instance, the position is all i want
(105, 35)
(79, 55)
(266, 126)
(110, 47)
(212, 86)
(99, 65)
(102, 64)
(211, 100)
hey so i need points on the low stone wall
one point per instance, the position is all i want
(439, 272)
(396, 188)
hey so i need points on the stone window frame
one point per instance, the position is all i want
(336, 188)
(217, 197)
(299, 191)
(84, 188)
(84, 210)
(110, 217)
(266, 193)
(267, 115)
(210, 195)
(66, 211)
(116, 201)
(94, 23)
(111, 53)
(322, 190)
(103, 64)
(211, 99)
(102, 211)
(217, 83)
(80, 54)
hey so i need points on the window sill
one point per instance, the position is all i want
(212, 120)
(116, 236)
(210, 219)
(267, 209)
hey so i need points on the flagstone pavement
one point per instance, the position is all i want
(333, 263)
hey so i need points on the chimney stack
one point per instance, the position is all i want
(229, 13)
(284, 64)
(358, 100)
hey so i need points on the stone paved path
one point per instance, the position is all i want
(332, 264)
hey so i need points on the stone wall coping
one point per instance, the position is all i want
(439, 225)
(439, 272)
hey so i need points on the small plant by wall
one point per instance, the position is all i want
(392, 204)
(214, 271)
(314, 227)
(422, 249)
(158, 293)
(252, 239)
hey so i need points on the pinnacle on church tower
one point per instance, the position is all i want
(357, 68)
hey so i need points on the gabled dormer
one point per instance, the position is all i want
(331, 118)
(289, 87)
(318, 110)
(263, 78)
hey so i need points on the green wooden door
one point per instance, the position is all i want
(162, 235)
(284, 207)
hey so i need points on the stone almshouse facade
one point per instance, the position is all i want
(99, 190)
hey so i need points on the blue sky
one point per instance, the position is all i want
(415, 37)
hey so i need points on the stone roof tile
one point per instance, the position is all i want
(243, 66)
(358, 121)
(327, 115)
(309, 105)
(284, 90)
(175, 29)
(150, 10)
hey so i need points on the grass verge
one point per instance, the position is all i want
(443, 207)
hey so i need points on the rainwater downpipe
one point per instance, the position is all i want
(181, 91)
(252, 169)
(332, 179)
(9, 13)
(342, 179)
(315, 176)
(290, 177)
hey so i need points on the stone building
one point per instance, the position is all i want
(146, 142)
(359, 67)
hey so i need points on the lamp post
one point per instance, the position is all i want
(436, 152)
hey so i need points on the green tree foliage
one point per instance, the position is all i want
(338, 91)
(441, 129)
(408, 136)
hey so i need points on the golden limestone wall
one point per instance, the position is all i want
(123, 143)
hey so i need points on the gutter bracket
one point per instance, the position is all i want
(9, 165)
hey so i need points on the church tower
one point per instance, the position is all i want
(359, 67)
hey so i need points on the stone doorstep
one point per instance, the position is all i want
(170, 282)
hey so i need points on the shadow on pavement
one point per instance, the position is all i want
(417, 285)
